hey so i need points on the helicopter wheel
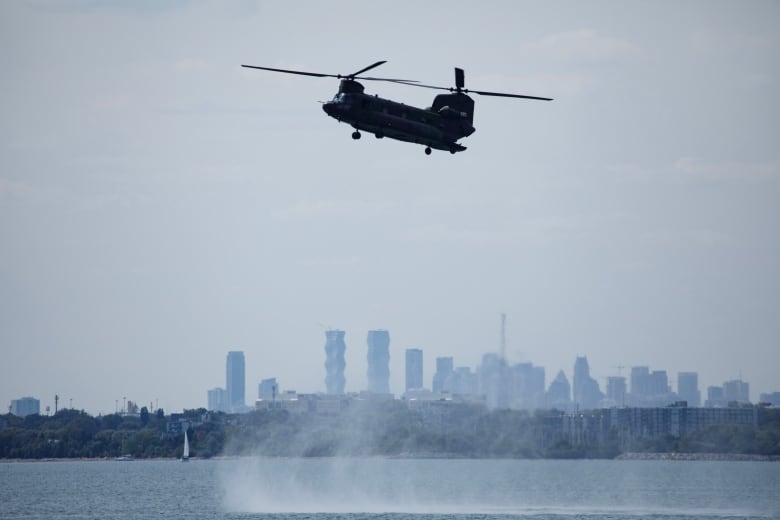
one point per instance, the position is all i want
(379, 135)
(452, 151)
(355, 135)
(427, 150)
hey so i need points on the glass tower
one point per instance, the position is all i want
(414, 368)
(334, 361)
(379, 361)
(236, 378)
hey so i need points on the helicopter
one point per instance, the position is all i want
(439, 126)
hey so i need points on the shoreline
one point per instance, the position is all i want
(736, 457)
(724, 457)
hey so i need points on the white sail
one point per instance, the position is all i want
(186, 454)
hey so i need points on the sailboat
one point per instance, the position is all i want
(185, 456)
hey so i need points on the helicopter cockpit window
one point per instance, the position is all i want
(340, 98)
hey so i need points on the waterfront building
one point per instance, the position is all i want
(378, 361)
(236, 381)
(334, 362)
(414, 369)
(444, 371)
(688, 388)
(217, 400)
(25, 406)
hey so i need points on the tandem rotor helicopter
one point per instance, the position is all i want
(439, 126)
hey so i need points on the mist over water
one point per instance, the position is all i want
(527, 488)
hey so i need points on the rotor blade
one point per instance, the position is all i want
(300, 72)
(367, 68)
(501, 94)
(459, 78)
(394, 80)
(417, 84)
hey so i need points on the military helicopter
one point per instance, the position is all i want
(439, 126)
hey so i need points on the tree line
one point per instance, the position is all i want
(389, 428)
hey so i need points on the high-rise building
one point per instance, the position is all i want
(414, 368)
(715, 397)
(378, 361)
(736, 390)
(526, 386)
(688, 388)
(444, 371)
(217, 400)
(559, 393)
(650, 388)
(586, 389)
(494, 381)
(25, 406)
(616, 390)
(334, 362)
(236, 381)
(268, 389)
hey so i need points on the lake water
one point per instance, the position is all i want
(395, 489)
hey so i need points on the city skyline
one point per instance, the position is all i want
(640, 380)
(160, 205)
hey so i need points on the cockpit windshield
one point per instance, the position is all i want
(340, 98)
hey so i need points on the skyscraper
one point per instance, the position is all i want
(688, 388)
(378, 361)
(559, 393)
(414, 368)
(444, 371)
(334, 361)
(616, 390)
(587, 393)
(235, 380)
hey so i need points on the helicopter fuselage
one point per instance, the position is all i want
(439, 126)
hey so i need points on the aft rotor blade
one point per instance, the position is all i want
(367, 69)
(501, 94)
(459, 78)
(299, 72)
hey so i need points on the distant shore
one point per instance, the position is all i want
(698, 456)
(731, 457)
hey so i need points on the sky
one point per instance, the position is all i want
(161, 206)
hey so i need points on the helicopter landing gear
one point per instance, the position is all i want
(355, 135)
(452, 151)
(427, 150)
(379, 135)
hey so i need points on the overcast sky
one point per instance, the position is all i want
(160, 205)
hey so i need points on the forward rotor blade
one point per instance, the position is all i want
(393, 80)
(501, 94)
(418, 84)
(367, 68)
(299, 72)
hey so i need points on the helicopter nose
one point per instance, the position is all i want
(329, 108)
